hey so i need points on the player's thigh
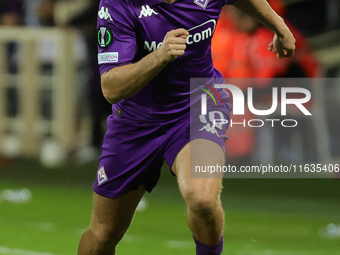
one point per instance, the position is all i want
(202, 153)
(112, 216)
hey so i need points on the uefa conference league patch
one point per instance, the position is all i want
(104, 37)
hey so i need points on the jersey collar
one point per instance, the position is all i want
(153, 2)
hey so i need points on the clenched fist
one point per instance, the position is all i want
(283, 46)
(174, 44)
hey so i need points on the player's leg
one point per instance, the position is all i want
(111, 217)
(202, 195)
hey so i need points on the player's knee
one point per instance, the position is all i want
(202, 204)
(106, 236)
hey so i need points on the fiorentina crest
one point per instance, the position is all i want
(101, 176)
(201, 3)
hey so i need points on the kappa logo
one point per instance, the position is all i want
(104, 13)
(102, 176)
(146, 11)
(210, 124)
(202, 3)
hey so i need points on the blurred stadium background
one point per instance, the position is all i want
(52, 117)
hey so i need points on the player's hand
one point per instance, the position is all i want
(174, 44)
(283, 46)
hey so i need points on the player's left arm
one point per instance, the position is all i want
(283, 43)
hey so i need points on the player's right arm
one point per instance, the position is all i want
(125, 81)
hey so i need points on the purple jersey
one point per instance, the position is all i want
(128, 30)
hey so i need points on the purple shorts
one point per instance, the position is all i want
(134, 150)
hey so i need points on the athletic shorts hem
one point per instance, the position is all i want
(121, 192)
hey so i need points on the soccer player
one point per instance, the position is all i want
(148, 51)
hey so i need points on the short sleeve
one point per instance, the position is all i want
(230, 1)
(116, 37)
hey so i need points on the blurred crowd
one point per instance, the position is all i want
(27, 12)
(44, 13)
(239, 51)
